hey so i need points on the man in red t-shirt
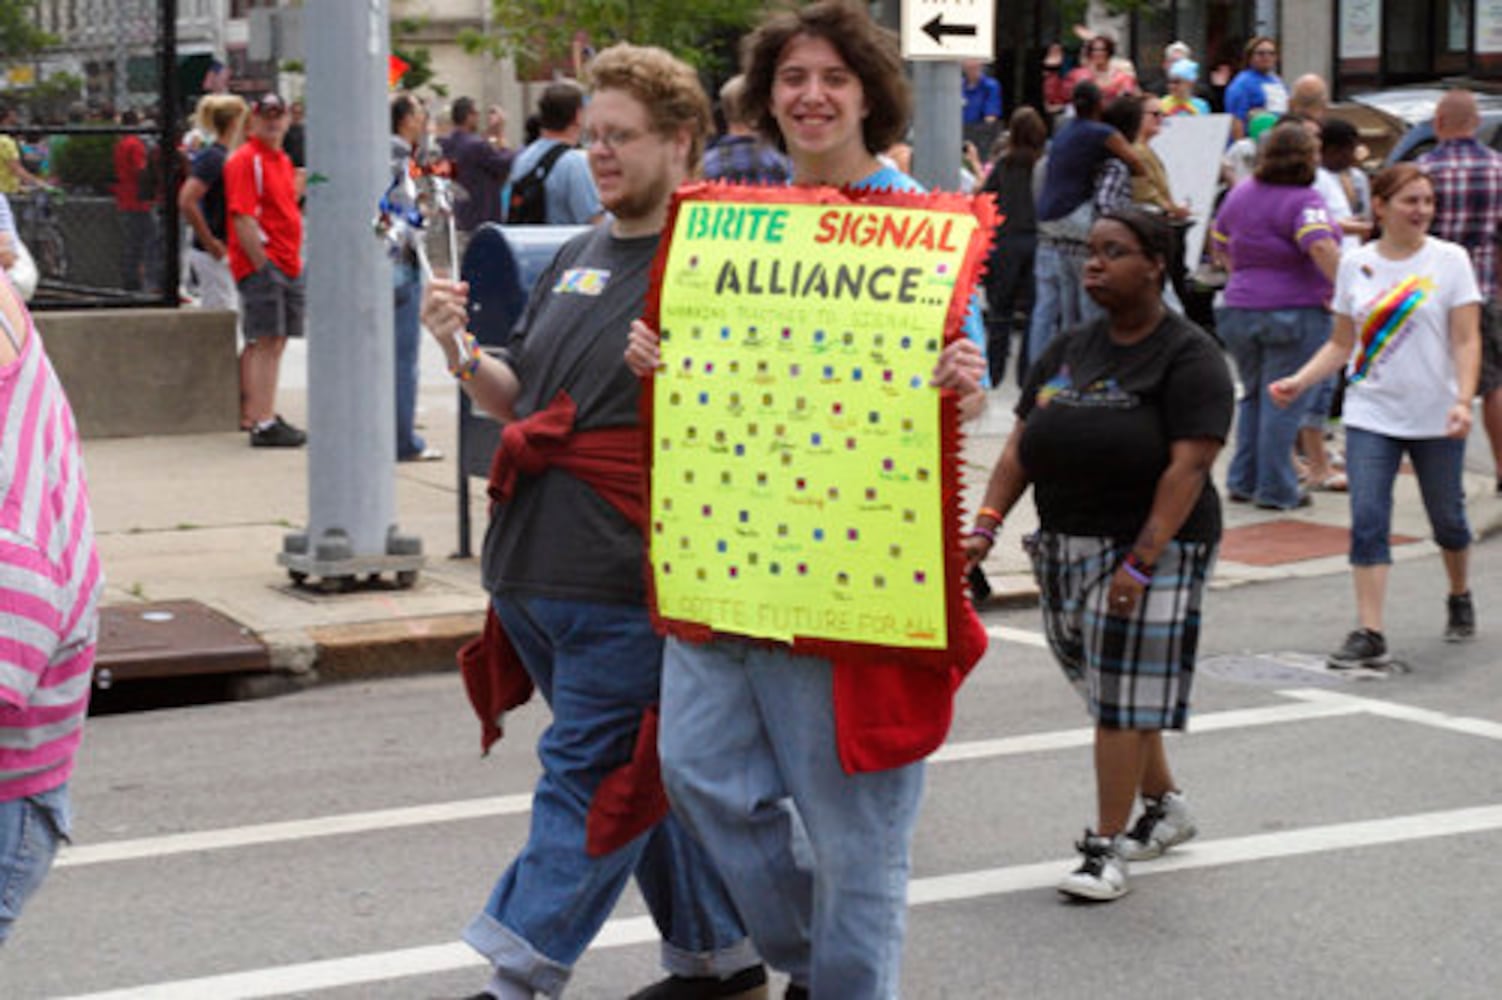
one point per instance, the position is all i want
(135, 207)
(265, 256)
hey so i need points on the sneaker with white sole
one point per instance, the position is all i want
(1363, 649)
(1165, 822)
(1460, 618)
(1102, 874)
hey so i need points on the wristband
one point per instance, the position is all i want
(469, 363)
(981, 531)
(992, 513)
(1137, 569)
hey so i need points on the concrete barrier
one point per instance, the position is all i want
(136, 372)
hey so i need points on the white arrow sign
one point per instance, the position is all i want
(949, 29)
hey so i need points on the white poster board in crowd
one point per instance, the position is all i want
(1190, 147)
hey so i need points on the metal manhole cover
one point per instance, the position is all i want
(1285, 669)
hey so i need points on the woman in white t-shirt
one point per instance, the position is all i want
(1407, 328)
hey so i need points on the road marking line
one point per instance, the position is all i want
(517, 805)
(403, 963)
(1026, 637)
(1407, 713)
(268, 833)
(1066, 739)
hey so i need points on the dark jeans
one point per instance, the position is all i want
(140, 254)
(1009, 290)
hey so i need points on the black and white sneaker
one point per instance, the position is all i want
(1102, 874)
(277, 434)
(1460, 618)
(1364, 649)
(1165, 822)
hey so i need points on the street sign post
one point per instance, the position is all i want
(948, 30)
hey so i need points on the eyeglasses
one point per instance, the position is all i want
(1264, 52)
(611, 138)
(1112, 252)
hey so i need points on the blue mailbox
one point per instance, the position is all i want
(501, 264)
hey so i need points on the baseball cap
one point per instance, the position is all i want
(1184, 69)
(269, 105)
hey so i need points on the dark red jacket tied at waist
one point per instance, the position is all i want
(630, 800)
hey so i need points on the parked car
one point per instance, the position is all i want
(1398, 124)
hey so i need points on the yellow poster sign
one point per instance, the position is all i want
(798, 452)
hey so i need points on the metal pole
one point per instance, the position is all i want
(351, 392)
(937, 132)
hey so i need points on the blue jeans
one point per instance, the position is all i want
(599, 666)
(816, 859)
(408, 285)
(1268, 344)
(1371, 467)
(31, 829)
(1060, 302)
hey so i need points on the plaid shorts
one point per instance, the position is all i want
(1134, 673)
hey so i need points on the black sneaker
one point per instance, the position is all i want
(277, 434)
(795, 992)
(1460, 620)
(748, 984)
(1363, 649)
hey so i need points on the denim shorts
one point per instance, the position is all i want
(31, 829)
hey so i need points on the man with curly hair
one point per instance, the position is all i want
(800, 775)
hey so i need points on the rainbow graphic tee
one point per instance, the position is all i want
(1387, 324)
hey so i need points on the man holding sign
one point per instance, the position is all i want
(563, 563)
(817, 721)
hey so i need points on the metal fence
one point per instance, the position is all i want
(93, 117)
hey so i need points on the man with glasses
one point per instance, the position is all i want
(552, 169)
(1256, 86)
(562, 562)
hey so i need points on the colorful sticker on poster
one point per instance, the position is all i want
(803, 469)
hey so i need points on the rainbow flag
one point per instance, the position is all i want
(1387, 317)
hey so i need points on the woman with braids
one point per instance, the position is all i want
(1118, 425)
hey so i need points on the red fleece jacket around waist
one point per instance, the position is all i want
(630, 800)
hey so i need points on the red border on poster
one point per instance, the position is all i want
(958, 610)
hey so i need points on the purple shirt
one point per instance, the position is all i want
(1267, 231)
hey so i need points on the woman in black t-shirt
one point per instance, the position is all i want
(1118, 425)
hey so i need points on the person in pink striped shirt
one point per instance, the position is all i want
(50, 584)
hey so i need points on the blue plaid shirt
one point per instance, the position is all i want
(744, 159)
(1468, 202)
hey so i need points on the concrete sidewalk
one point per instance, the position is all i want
(201, 517)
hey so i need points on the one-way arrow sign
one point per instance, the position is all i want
(949, 30)
(937, 29)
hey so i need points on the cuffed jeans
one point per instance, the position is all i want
(1268, 344)
(816, 859)
(1372, 461)
(408, 285)
(599, 667)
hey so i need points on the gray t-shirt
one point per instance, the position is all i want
(557, 537)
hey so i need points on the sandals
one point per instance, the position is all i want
(1335, 482)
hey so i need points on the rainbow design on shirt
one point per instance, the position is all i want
(1048, 390)
(1389, 314)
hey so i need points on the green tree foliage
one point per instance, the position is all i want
(419, 58)
(542, 33)
(19, 33)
